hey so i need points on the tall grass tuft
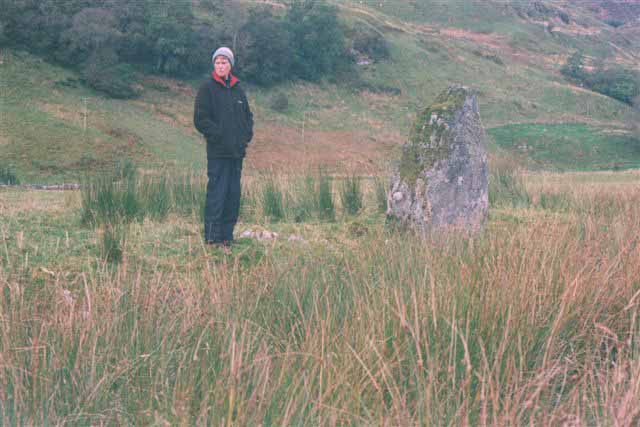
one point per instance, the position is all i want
(558, 202)
(112, 242)
(126, 170)
(189, 194)
(351, 196)
(8, 176)
(305, 201)
(272, 200)
(326, 206)
(506, 188)
(248, 204)
(533, 323)
(156, 198)
(381, 194)
(107, 199)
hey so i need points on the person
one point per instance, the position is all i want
(222, 115)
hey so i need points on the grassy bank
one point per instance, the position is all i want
(536, 320)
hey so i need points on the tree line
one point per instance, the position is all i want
(616, 82)
(112, 42)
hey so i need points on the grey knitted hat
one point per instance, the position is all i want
(224, 51)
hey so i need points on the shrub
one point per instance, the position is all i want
(618, 83)
(614, 23)
(351, 195)
(104, 73)
(317, 40)
(370, 43)
(490, 56)
(267, 49)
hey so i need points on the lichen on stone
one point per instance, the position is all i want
(431, 137)
(442, 182)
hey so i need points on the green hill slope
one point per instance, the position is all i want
(52, 128)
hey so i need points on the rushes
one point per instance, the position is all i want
(326, 207)
(305, 204)
(272, 200)
(125, 197)
(156, 198)
(112, 242)
(189, 194)
(506, 188)
(8, 176)
(297, 198)
(533, 322)
(381, 194)
(351, 195)
(113, 201)
(111, 198)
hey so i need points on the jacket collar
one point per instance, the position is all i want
(233, 80)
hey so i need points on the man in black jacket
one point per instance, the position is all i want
(223, 116)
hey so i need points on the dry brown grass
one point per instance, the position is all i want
(534, 322)
(282, 149)
(63, 113)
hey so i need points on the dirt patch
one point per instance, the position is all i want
(60, 112)
(494, 41)
(620, 132)
(579, 89)
(168, 85)
(385, 23)
(557, 59)
(173, 115)
(267, 3)
(576, 30)
(562, 119)
(377, 98)
(15, 202)
(287, 149)
(3, 141)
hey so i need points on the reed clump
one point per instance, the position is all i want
(8, 176)
(351, 195)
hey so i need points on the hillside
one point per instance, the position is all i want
(53, 128)
(323, 310)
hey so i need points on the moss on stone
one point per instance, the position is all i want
(431, 137)
(410, 166)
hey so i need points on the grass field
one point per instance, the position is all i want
(570, 146)
(114, 312)
(533, 321)
(54, 129)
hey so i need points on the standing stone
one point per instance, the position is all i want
(441, 183)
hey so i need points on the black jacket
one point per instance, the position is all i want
(223, 116)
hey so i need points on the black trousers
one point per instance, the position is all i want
(223, 199)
